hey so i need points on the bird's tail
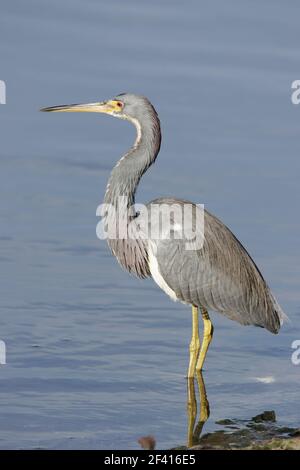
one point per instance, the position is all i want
(278, 312)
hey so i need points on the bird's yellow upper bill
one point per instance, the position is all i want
(107, 107)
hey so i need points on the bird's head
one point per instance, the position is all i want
(124, 106)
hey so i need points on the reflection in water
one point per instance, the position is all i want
(194, 430)
(260, 432)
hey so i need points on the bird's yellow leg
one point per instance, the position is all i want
(195, 343)
(207, 337)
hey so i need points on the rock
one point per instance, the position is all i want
(260, 433)
(265, 416)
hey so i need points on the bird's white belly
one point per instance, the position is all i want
(154, 270)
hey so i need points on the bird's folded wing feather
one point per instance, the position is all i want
(220, 276)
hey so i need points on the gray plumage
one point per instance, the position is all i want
(221, 276)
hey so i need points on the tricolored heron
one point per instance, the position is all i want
(220, 275)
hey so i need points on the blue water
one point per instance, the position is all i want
(95, 358)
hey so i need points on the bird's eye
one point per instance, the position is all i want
(120, 104)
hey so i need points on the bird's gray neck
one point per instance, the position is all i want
(120, 194)
(127, 173)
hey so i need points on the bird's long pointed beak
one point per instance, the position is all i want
(107, 107)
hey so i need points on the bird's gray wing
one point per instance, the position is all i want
(220, 276)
